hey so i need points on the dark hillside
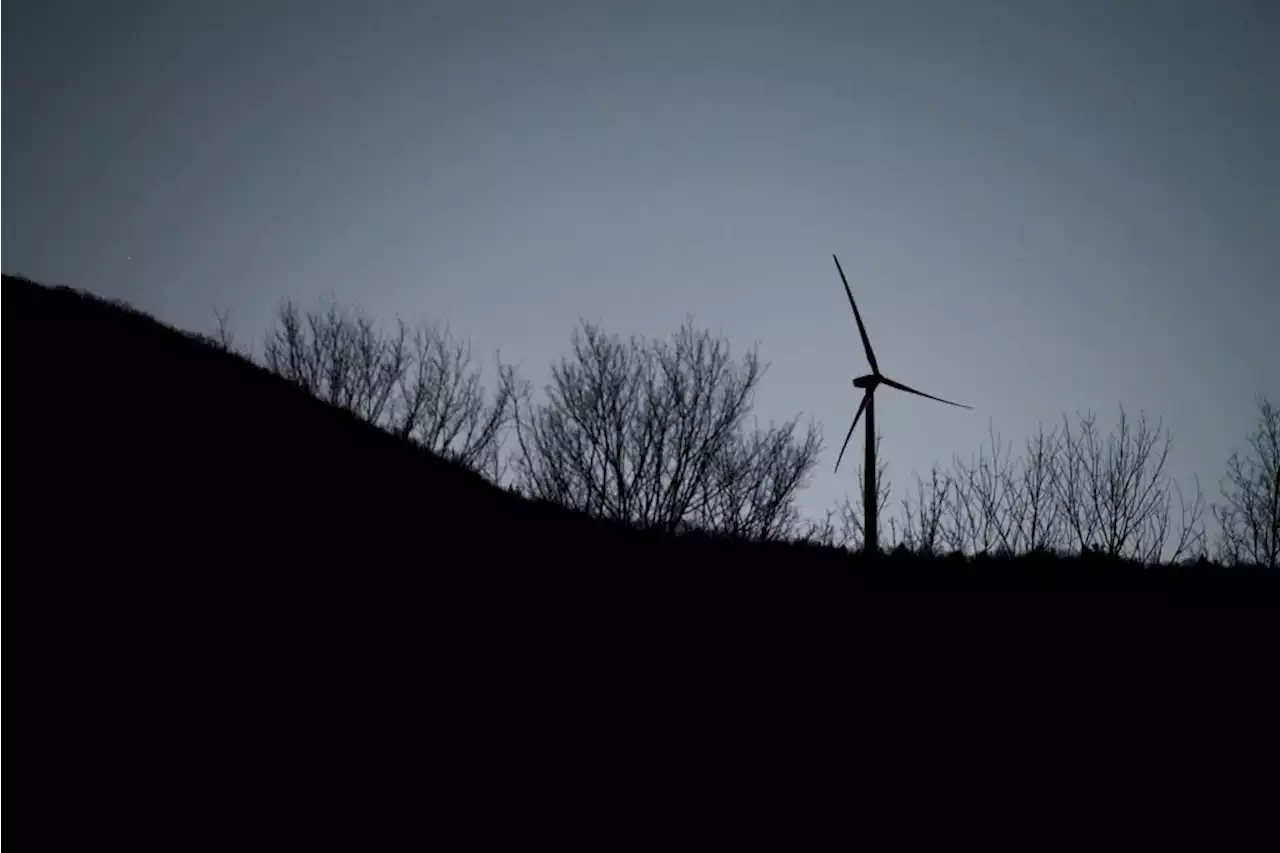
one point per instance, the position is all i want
(169, 448)
(216, 571)
(162, 451)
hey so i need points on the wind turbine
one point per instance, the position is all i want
(870, 382)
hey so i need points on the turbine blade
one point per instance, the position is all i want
(849, 434)
(901, 387)
(862, 330)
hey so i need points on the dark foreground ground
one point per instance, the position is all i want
(218, 577)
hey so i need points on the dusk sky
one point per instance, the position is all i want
(1042, 207)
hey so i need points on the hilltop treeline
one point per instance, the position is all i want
(638, 434)
(655, 434)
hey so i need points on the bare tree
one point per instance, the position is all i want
(752, 482)
(653, 433)
(222, 337)
(977, 510)
(1074, 488)
(420, 384)
(340, 358)
(998, 502)
(1192, 539)
(1113, 493)
(1036, 515)
(824, 532)
(923, 529)
(1249, 516)
(440, 402)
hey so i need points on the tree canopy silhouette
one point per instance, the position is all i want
(419, 382)
(1074, 489)
(1249, 515)
(654, 433)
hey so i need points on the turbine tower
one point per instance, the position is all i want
(869, 383)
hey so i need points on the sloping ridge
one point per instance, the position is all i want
(218, 573)
(238, 604)
(158, 442)
(227, 585)
(145, 447)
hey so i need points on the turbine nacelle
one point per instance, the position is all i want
(871, 380)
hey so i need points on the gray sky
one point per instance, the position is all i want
(1041, 207)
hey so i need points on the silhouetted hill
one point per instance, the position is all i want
(160, 448)
(221, 572)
